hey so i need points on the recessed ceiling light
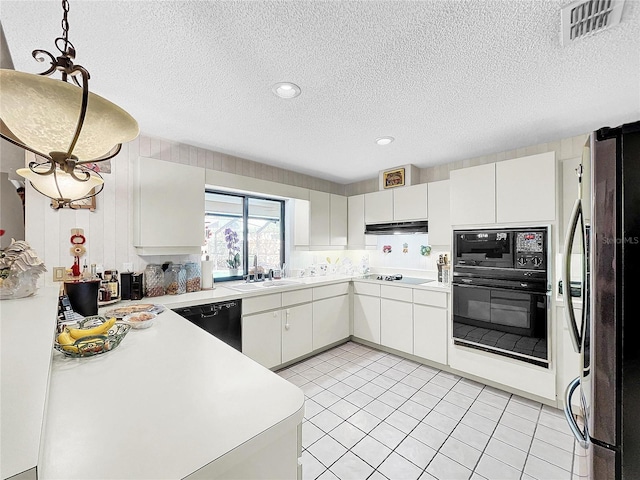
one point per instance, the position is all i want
(286, 90)
(384, 140)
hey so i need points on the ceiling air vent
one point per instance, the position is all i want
(587, 17)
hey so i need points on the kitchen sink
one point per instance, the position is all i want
(251, 287)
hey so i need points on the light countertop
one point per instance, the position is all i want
(27, 330)
(167, 401)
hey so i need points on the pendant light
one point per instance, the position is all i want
(67, 127)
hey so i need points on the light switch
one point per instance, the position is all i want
(59, 274)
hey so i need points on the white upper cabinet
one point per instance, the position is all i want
(338, 220)
(439, 215)
(378, 207)
(473, 195)
(168, 208)
(300, 222)
(328, 219)
(357, 238)
(526, 189)
(410, 203)
(320, 213)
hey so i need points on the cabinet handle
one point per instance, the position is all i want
(287, 326)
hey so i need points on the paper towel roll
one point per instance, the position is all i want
(207, 273)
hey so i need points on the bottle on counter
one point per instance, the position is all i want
(440, 265)
(154, 280)
(114, 285)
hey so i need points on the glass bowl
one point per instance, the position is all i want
(94, 344)
(140, 319)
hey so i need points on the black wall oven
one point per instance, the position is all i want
(500, 292)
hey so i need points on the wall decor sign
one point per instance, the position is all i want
(393, 178)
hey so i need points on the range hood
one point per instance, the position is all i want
(397, 228)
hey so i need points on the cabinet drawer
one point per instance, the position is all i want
(330, 291)
(296, 296)
(260, 304)
(364, 288)
(396, 293)
(427, 297)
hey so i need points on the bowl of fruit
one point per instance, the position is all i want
(140, 319)
(94, 335)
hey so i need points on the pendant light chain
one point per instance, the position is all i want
(65, 23)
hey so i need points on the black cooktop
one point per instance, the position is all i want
(399, 279)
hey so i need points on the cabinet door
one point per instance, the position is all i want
(173, 193)
(338, 220)
(473, 195)
(410, 203)
(396, 325)
(366, 318)
(430, 337)
(439, 215)
(261, 338)
(355, 219)
(297, 331)
(378, 207)
(526, 189)
(320, 213)
(330, 320)
(300, 223)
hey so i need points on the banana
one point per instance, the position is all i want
(77, 333)
(67, 341)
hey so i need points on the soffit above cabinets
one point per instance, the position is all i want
(448, 79)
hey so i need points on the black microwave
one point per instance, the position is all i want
(506, 248)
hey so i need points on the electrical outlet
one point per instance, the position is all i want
(59, 274)
(127, 267)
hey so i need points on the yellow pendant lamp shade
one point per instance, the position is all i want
(70, 188)
(40, 114)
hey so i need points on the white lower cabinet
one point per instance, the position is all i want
(396, 324)
(430, 337)
(297, 332)
(330, 320)
(366, 318)
(261, 338)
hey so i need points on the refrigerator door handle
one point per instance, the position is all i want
(569, 313)
(581, 436)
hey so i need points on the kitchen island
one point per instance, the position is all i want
(170, 402)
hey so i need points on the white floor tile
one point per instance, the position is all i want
(513, 437)
(554, 437)
(392, 399)
(311, 467)
(552, 454)
(414, 409)
(384, 382)
(403, 422)
(491, 468)
(435, 389)
(518, 423)
(489, 398)
(486, 410)
(311, 374)
(372, 389)
(366, 374)
(341, 389)
(429, 435)
(354, 381)
(325, 367)
(466, 389)
(523, 411)
(377, 476)
(343, 409)
(425, 399)
(364, 421)
(442, 467)
(450, 410)
(479, 422)
(371, 451)
(443, 381)
(416, 451)
(399, 468)
(506, 453)
(555, 422)
(326, 398)
(325, 381)
(298, 380)
(458, 399)
(378, 367)
(311, 408)
(327, 475)
(358, 398)
(388, 435)
(310, 434)
(310, 389)
(347, 434)
(395, 374)
(327, 450)
(542, 470)
(413, 381)
(462, 453)
(403, 390)
(379, 409)
(350, 466)
(326, 421)
(470, 436)
(440, 421)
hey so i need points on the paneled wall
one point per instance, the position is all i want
(565, 149)
(109, 229)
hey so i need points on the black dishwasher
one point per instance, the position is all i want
(222, 320)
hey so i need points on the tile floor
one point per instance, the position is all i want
(370, 414)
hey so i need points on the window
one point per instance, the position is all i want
(240, 230)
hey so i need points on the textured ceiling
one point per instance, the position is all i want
(449, 79)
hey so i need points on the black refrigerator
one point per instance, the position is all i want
(607, 334)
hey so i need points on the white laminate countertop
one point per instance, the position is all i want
(223, 291)
(167, 401)
(27, 330)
